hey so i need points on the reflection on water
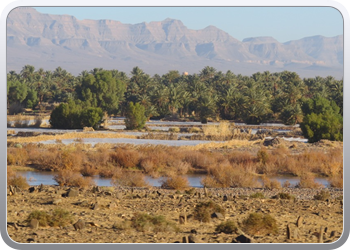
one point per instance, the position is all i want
(94, 141)
(46, 178)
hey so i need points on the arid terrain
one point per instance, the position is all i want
(105, 212)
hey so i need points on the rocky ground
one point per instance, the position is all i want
(101, 209)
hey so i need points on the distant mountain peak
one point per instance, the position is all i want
(260, 39)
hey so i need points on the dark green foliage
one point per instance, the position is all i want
(91, 117)
(135, 116)
(74, 116)
(102, 90)
(211, 94)
(42, 216)
(322, 120)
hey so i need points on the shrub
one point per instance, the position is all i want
(74, 115)
(175, 182)
(125, 158)
(135, 116)
(203, 211)
(43, 217)
(262, 156)
(128, 179)
(308, 181)
(284, 196)
(143, 222)
(14, 179)
(260, 224)
(227, 227)
(72, 179)
(322, 120)
(336, 181)
(322, 195)
(270, 184)
(59, 217)
(257, 195)
(17, 156)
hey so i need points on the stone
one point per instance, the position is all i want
(79, 225)
(217, 215)
(193, 231)
(32, 189)
(71, 193)
(34, 224)
(289, 235)
(95, 206)
(299, 221)
(185, 239)
(225, 198)
(192, 239)
(182, 219)
(242, 239)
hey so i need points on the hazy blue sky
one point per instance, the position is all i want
(282, 23)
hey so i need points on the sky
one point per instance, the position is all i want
(282, 23)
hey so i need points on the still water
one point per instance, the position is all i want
(46, 178)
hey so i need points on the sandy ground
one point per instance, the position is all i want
(117, 205)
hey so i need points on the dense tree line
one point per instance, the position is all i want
(211, 94)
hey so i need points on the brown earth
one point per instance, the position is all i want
(116, 205)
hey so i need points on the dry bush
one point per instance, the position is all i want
(225, 176)
(239, 157)
(204, 210)
(143, 222)
(223, 129)
(58, 218)
(14, 179)
(270, 184)
(308, 181)
(260, 224)
(322, 195)
(257, 195)
(107, 171)
(88, 170)
(287, 184)
(284, 196)
(128, 179)
(198, 159)
(99, 157)
(227, 227)
(263, 156)
(72, 179)
(148, 166)
(125, 158)
(17, 156)
(175, 182)
(336, 181)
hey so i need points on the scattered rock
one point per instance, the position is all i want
(217, 216)
(242, 239)
(34, 224)
(79, 225)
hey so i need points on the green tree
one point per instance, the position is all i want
(102, 90)
(322, 120)
(135, 116)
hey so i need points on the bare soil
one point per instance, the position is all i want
(116, 205)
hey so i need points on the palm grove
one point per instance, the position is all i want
(315, 103)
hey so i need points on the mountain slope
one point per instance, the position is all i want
(49, 41)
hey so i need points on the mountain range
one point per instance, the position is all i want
(48, 41)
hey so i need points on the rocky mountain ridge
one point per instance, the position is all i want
(49, 41)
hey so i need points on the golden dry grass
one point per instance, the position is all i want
(72, 135)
